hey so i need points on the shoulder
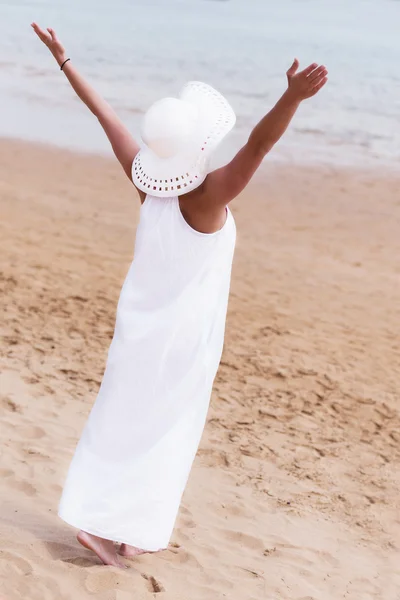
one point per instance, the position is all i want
(224, 184)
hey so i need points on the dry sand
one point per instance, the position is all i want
(295, 490)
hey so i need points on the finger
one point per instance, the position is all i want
(317, 74)
(294, 66)
(52, 33)
(45, 37)
(318, 80)
(309, 69)
(38, 29)
(35, 28)
(319, 86)
(292, 70)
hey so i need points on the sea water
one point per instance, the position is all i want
(136, 51)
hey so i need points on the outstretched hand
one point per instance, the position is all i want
(50, 39)
(306, 83)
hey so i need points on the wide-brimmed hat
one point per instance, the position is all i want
(179, 136)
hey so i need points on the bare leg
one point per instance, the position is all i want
(132, 551)
(104, 549)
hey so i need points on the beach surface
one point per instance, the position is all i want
(295, 490)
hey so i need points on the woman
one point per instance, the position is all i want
(131, 465)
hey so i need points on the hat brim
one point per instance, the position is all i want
(182, 173)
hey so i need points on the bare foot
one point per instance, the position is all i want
(132, 551)
(104, 549)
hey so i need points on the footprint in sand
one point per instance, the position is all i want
(5, 473)
(243, 539)
(31, 379)
(187, 523)
(101, 580)
(185, 511)
(184, 557)
(302, 556)
(32, 432)
(76, 334)
(70, 373)
(23, 486)
(186, 519)
(236, 510)
(32, 453)
(13, 564)
(9, 404)
(60, 551)
(49, 390)
(81, 561)
(153, 585)
(31, 587)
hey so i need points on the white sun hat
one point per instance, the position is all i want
(179, 136)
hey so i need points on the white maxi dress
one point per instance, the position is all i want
(132, 463)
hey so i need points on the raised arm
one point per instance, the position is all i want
(224, 184)
(124, 146)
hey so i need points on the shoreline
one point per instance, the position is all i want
(382, 169)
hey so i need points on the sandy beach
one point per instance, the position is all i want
(295, 490)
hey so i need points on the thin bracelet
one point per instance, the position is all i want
(65, 61)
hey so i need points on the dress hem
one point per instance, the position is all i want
(98, 533)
